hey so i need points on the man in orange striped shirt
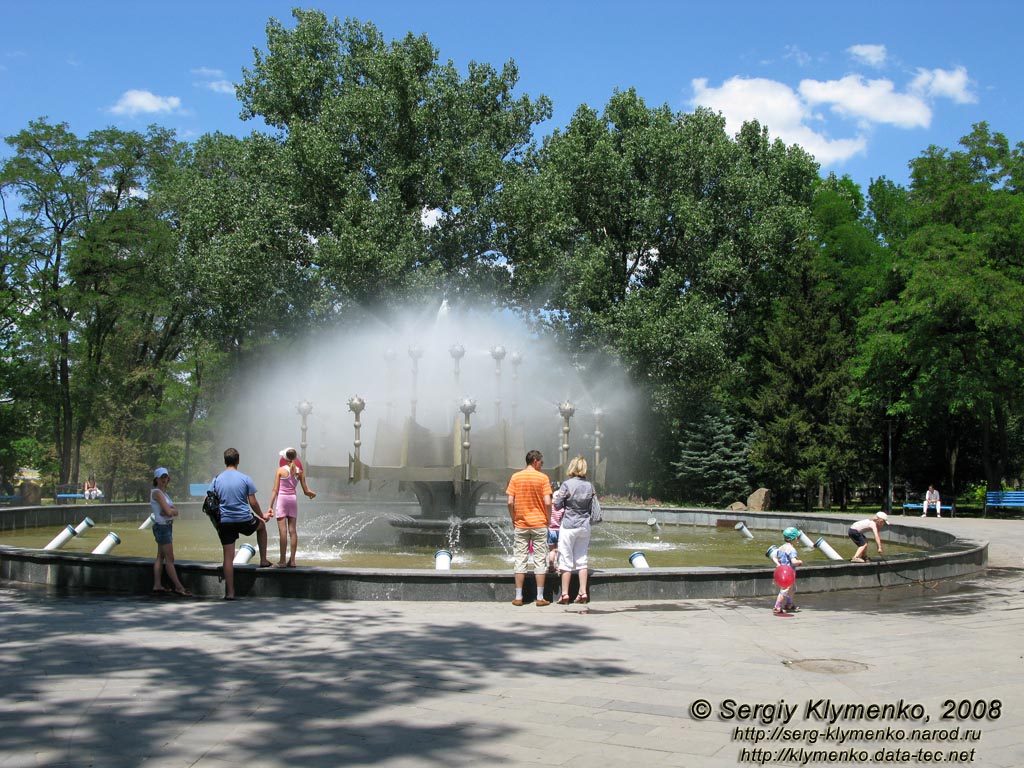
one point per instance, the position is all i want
(529, 506)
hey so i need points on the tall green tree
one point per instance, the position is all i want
(951, 334)
(395, 161)
(660, 239)
(809, 428)
(96, 322)
(712, 467)
(82, 243)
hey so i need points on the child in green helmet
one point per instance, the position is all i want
(786, 555)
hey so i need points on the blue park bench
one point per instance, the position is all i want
(198, 489)
(951, 508)
(1001, 499)
(10, 499)
(67, 491)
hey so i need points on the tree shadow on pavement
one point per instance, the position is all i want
(112, 681)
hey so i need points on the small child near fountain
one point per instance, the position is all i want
(857, 531)
(786, 555)
(556, 523)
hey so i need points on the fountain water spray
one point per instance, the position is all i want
(430, 451)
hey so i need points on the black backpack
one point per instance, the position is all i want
(212, 508)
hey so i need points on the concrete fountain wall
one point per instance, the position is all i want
(946, 557)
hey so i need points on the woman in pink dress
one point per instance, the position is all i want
(284, 503)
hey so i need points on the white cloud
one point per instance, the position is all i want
(794, 53)
(943, 83)
(796, 116)
(220, 86)
(136, 102)
(780, 108)
(875, 101)
(872, 55)
(214, 80)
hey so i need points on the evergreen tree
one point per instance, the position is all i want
(712, 466)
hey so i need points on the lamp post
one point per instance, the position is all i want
(415, 353)
(467, 407)
(389, 361)
(498, 353)
(304, 409)
(516, 359)
(457, 352)
(356, 405)
(598, 415)
(567, 409)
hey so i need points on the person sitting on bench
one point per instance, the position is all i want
(932, 497)
(92, 490)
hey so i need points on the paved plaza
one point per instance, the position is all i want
(923, 673)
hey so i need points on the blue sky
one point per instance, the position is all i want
(865, 86)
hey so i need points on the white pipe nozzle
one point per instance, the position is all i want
(244, 554)
(825, 547)
(442, 560)
(110, 541)
(638, 560)
(61, 538)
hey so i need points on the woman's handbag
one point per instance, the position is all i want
(595, 511)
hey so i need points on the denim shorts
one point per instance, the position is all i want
(162, 532)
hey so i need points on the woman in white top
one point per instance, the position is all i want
(164, 513)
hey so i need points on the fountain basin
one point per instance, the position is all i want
(946, 557)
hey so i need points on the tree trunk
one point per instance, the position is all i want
(66, 416)
(989, 459)
(951, 456)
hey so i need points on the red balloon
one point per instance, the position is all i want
(785, 576)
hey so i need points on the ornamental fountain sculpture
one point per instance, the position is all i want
(449, 472)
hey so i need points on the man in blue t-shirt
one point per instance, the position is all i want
(240, 514)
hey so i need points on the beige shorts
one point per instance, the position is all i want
(521, 549)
